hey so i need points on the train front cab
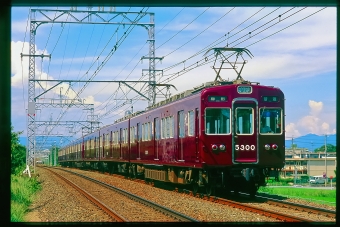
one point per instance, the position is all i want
(258, 142)
(245, 138)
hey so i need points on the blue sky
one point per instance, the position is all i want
(295, 54)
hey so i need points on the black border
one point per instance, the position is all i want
(5, 63)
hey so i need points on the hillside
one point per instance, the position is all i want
(311, 141)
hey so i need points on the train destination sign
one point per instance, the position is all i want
(218, 98)
(270, 98)
(244, 89)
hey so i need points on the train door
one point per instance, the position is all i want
(190, 146)
(245, 145)
(157, 134)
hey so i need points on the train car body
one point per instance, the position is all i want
(223, 136)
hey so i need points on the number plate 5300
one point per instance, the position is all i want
(245, 147)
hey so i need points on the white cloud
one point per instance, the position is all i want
(316, 107)
(292, 131)
(20, 64)
(314, 123)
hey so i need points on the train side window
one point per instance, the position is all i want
(270, 120)
(167, 127)
(181, 123)
(157, 129)
(150, 131)
(244, 120)
(116, 136)
(132, 135)
(217, 121)
(191, 123)
(163, 128)
(172, 126)
(143, 132)
(139, 132)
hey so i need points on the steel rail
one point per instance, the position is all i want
(176, 215)
(264, 212)
(101, 205)
(306, 208)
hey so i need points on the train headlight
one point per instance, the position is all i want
(214, 147)
(267, 147)
(222, 147)
(274, 147)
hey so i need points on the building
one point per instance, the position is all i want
(310, 163)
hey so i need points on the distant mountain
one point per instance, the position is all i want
(311, 141)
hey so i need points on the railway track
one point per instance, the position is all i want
(300, 212)
(143, 210)
(101, 205)
(279, 210)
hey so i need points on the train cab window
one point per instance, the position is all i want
(244, 120)
(217, 121)
(270, 120)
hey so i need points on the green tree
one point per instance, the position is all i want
(330, 148)
(18, 153)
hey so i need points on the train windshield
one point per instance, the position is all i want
(270, 120)
(244, 120)
(217, 121)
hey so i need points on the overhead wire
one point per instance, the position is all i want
(182, 29)
(187, 26)
(218, 41)
(239, 25)
(118, 43)
(232, 29)
(202, 60)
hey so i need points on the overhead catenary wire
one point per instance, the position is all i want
(188, 69)
(239, 40)
(119, 42)
(195, 65)
(194, 36)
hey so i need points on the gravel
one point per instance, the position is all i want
(56, 204)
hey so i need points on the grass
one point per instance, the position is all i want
(23, 190)
(321, 196)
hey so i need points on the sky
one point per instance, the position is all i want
(293, 49)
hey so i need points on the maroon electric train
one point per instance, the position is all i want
(223, 134)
